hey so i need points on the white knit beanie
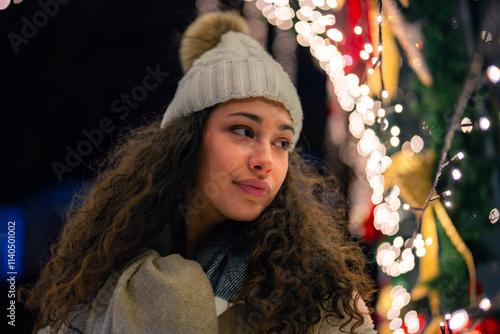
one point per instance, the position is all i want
(223, 64)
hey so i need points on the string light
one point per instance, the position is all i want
(458, 320)
(485, 304)
(442, 327)
(494, 215)
(466, 125)
(395, 131)
(458, 156)
(493, 73)
(447, 318)
(484, 123)
(456, 174)
(314, 30)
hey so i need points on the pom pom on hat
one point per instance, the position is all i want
(205, 33)
(223, 63)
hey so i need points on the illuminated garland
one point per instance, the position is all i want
(314, 24)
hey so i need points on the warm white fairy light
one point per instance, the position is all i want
(398, 108)
(459, 320)
(493, 73)
(335, 35)
(394, 141)
(332, 3)
(466, 125)
(417, 144)
(411, 322)
(456, 174)
(400, 298)
(358, 30)
(484, 123)
(363, 54)
(395, 324)
(385, 94)
(485, 304)
(395, 131)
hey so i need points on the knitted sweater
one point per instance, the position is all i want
(155, 294)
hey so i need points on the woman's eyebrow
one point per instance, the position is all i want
(257, 119)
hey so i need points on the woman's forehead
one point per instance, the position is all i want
(263, 108)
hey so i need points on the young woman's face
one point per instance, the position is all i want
(244, 159)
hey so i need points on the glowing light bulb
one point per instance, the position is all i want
(364, 90)
(364, 55)
(358, 30)
(459, 320)
(484, 123)
(447, 204)
(332, 3)
(370, 70)
(494, 215)
(398, 242)
(485, 304)
(417, 144)
(335, 35)
(379, 18)
(406, 206)
(394, 141)
(421, 252)
(460, 155)
(466, 125)
(456, 174)
(398, 108)
(493, 73)
(385, 94)
(380, 48)
(395, 131)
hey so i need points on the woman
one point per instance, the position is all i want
(209, 222)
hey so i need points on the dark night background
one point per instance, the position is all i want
(62, 82)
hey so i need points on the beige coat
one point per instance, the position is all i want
(155, 294)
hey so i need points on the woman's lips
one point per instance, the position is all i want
(254, 187)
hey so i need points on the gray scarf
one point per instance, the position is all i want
(224, 258)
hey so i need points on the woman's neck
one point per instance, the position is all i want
(198, 230)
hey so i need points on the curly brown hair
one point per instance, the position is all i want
(302, 262)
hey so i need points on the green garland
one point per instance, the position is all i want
(471, 195)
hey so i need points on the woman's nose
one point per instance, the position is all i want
(261, 157)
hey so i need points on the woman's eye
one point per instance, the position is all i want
(243, 131)
(284, 144)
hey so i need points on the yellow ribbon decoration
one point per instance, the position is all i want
(412, 173)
